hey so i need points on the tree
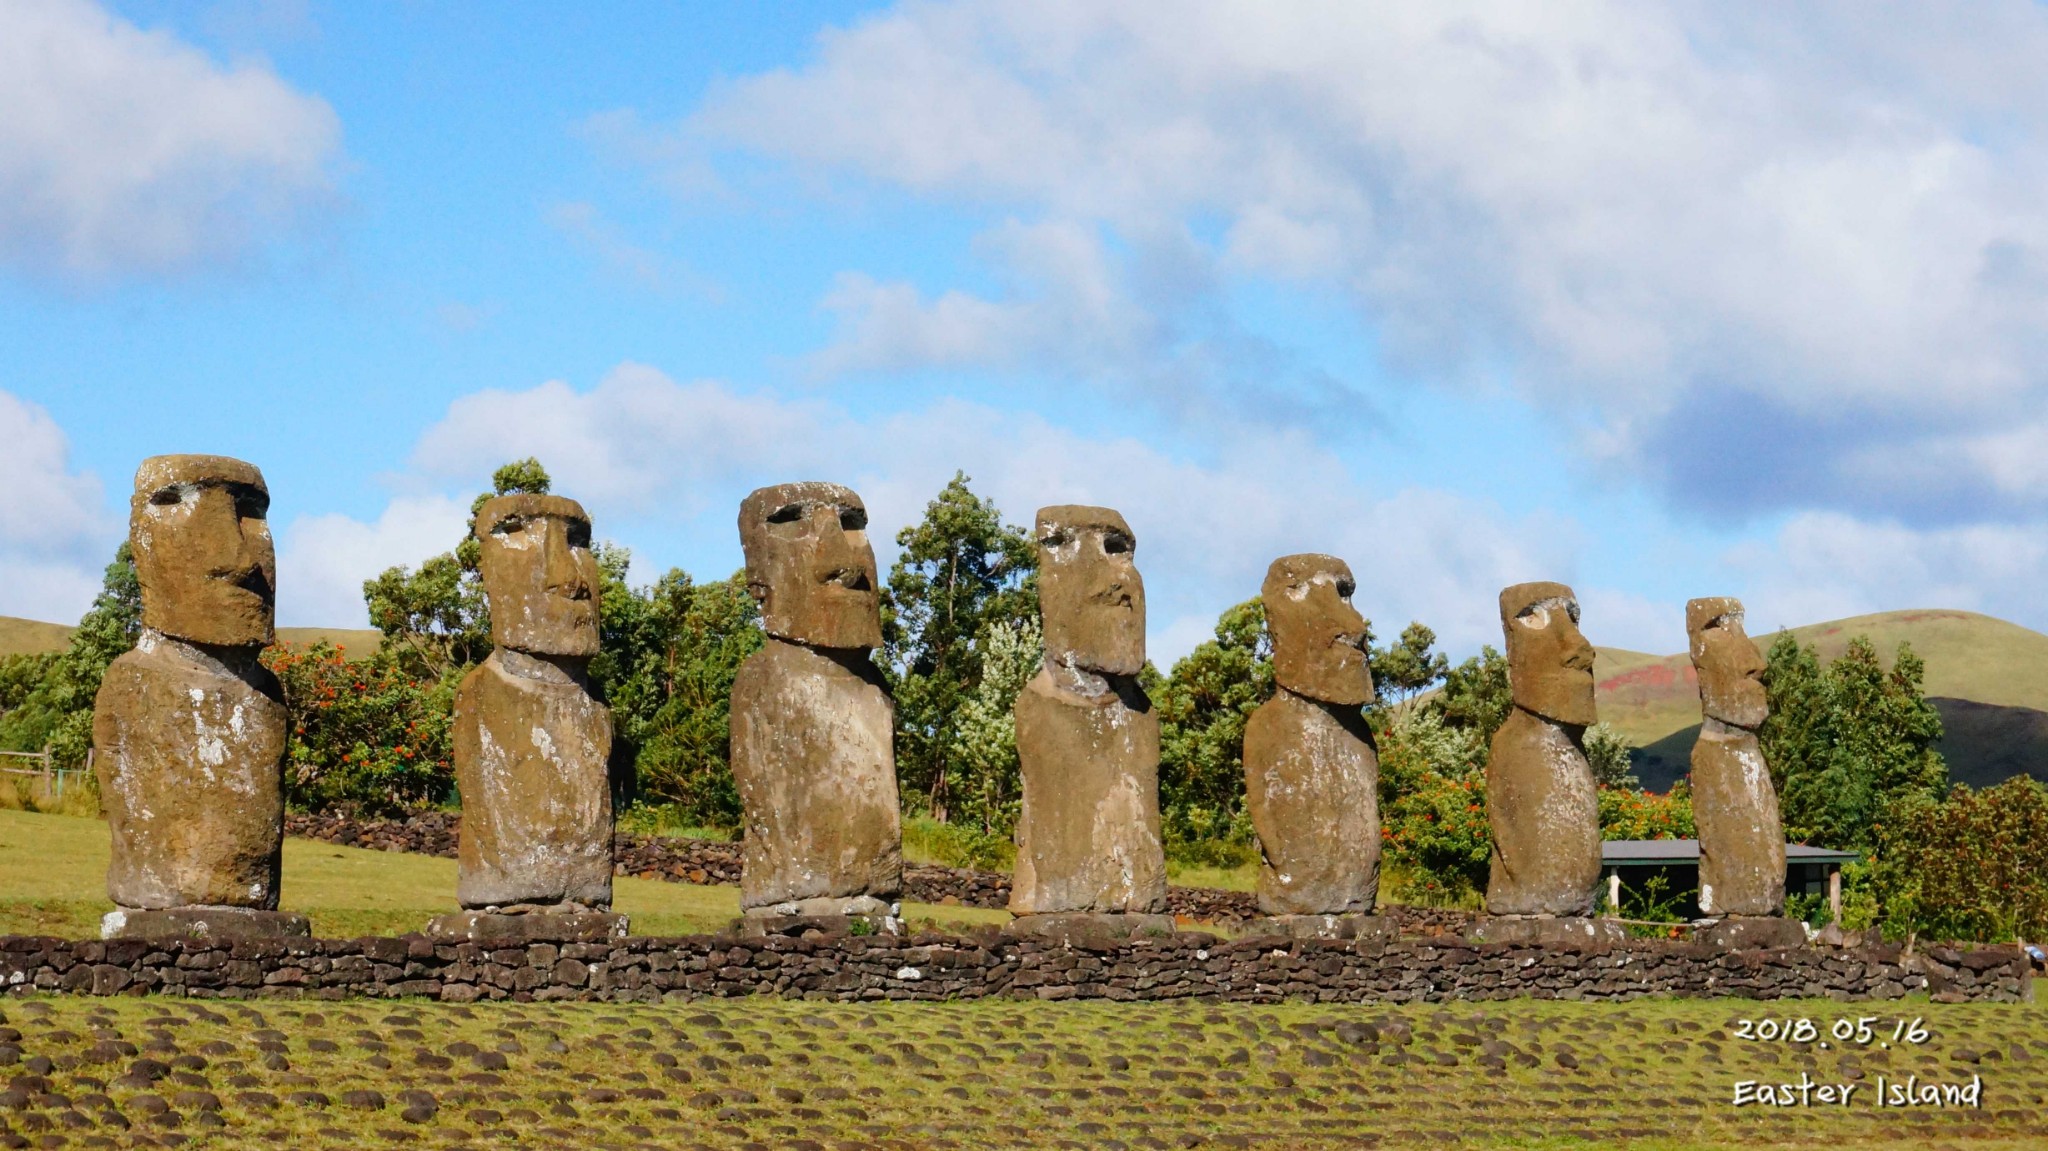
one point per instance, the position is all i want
(989, 785)
(366, 737)
(961, 572)
(1477, 696)
(1407, 668)
(1607, 753)
(707, 631)
(1203, 705)
(1848, 743)
(57, 710)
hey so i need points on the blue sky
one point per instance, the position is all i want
(1659, 301)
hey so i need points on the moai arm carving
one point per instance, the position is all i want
(1742, 842)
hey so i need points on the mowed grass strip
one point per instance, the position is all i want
(53, 872)
(788, 1074)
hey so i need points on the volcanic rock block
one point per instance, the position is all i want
(1742, 842)
(1752, 932)
(1548, 931)
(1311, 775)
(189, 729)
(1088, 837)
(813, 727)
(1541, 800)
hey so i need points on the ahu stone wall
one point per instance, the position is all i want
(947, 967)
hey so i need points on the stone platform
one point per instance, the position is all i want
(202, 923)
(1364, 928)
(1548, 931)
(1088, 928)
(1751, 932)
(495, 929)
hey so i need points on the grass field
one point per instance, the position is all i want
(53, 881)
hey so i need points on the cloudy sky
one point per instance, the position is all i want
(1661, 301)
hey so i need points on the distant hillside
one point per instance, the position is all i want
(1987, 677)
(27, 635)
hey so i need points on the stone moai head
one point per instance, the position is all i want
(1318, 637)
(809, 565)
(198, 529)
(539, 574)
(1550, 665)
(1089, 591)
(1729, 665)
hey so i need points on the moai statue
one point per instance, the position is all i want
(1541, 799)
(1311, 775)
(532, 743)
(1742, 843)
(813, 727)
(188, 728)
(1089, 858)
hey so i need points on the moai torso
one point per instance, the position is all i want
(532, 749)
(1311, 775)
(1742, 842)
(813, 728)
(1542, 804)
(1087, 738)
(532, 744)
(189, 730)
(813, 756)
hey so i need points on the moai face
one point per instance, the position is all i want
(1730, 667)
(539, 573)
(202, 550)
(809, 565)
(1318, 637)
(1550, 664)
(1089, 591)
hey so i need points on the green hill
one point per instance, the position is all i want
(27, 635)
(1987, 677)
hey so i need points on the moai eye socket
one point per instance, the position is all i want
(168, 496)
(579, 534)
(510, 525)
(251, 503)
(853, 519)
(1345, 587)
(1056, 538)
(786, 514)
(1115, 543)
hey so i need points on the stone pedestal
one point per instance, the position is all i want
(1548, 931)
(761, 923)
(1742, 842)
(1363, 928)
(1312, 785)
(203, 923)
(1751, 932)
(1544, 810)
(1089, 929)
(499, 929)
(814, 759)
(532, 751)
(1088, 832)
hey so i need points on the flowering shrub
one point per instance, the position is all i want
(1973, 866)
(365, 737)
(1438, 836)
(1626, 813)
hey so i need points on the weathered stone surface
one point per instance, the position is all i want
(1088, 832)
(1742, 841)
(202, 923)
(1752, 932)
(1364, 928)
(1089, 928)
(1548, 931)
(539, 574)
(1089, 591)
(532, 749)
(1318, 637)
(1087, 738)
(813, 755)
(1312, 785)
(762, 923)
(201, 539)
(810, 566)
(493, 929)
(189, 729)
(857, 906)
(1541, 800)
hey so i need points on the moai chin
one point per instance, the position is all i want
(1311, 774)
(1089, 855)
(532, 743)
(189, 729)
(813, 727)
(1742, 842)
(1541, 799)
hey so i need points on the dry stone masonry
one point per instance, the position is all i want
(532, 743)
(189, 728)
(813, 727)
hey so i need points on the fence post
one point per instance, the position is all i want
(1835, 891)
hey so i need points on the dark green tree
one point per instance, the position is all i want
(57, 711)
(961, 571)
(1405, 669)
(1476, 696)
(1848, 743)
(1203, 705)
(694, 638)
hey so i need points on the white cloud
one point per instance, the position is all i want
(1739, 234)
(129, 151)
(56, 536)
(323, 560)
(644, 449)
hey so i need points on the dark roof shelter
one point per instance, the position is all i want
(1808, 870)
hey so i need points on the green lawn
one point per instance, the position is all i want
(53, 881)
